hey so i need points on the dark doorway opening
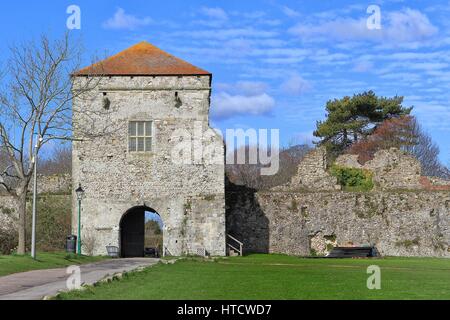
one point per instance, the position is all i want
(134, 232)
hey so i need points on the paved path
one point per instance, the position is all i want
(35, 285)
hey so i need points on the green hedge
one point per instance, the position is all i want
(53, 222)
(353, 179)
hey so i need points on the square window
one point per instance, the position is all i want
(140, 136)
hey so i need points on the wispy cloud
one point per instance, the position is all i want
(247, 88)
(290, 12)
(215, 13)
(363, 66)
(241, 98)
(212, 17)
(124, 21)
(226, 33)
(407, 25)
(295, 85)
(225, 105)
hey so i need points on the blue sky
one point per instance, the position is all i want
(275, 63)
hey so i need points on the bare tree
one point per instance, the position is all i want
(250, 176)
(60, 161)
(404, 133)
(35, 101)
(6, 169)
(427, 152)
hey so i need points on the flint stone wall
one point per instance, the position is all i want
(53, 184)
(395, 169)
(8, 214)
(307, 216)
(398, 224)
(189, 196)
(312, 173)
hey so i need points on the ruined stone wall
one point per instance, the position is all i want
(392, 169)
(400, 217)
(398, 224)
(189, 197)
(55, 184)
(312, 172)
(8, 214)
(395, 169)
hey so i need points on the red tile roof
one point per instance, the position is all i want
(141, 59)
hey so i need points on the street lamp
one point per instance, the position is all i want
(80, 195)
(33, 223)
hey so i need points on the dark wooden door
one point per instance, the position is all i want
(132, 234)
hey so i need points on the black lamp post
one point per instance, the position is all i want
(80, 196)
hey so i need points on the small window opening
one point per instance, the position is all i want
(140, 136)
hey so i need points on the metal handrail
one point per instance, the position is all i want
(241, 245)
(233, 238)
(232, 247)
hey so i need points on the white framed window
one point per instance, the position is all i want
(140, 136)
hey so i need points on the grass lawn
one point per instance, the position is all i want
(14, 263)
(279, 277)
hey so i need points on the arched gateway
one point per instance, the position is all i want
(133, 232)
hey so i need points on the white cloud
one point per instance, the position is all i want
(246, 88)
(409, 25)
(295, 85)
(122, 20)
(363, 66)
(250, 15)
(403, 26)
(225, 34)
(431, 113)
(225, 105)
(214, 17)
(215, 13)
(290, 12)
(340, 29)
(241, 98)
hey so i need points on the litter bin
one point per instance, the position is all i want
(71, 244)
(113, 252)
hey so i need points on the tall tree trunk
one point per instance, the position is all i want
(22, 211)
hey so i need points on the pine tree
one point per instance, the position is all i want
(351, 118)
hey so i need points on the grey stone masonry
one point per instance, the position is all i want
(401, 217)
(53, 184)
(312, 173)
(394, 169)
(186, 188)
(8, 214)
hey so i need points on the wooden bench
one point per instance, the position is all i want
(353, 252)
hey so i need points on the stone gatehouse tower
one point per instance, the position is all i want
(144, 109)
